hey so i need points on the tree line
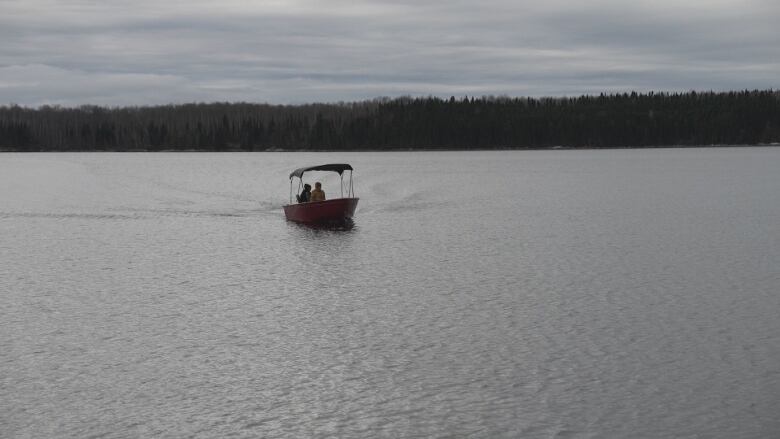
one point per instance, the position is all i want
(603, 121)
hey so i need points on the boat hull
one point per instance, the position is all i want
(337, 209)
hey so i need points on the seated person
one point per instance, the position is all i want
(305, 195)
(317, 194)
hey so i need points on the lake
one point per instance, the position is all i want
(535, 294)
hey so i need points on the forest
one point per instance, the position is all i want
(406, 123)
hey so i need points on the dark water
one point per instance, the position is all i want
(629, 293)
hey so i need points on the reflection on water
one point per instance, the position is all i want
(345, 225)
(494, 294)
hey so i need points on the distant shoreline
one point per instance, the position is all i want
(275, 150)
(620, 121)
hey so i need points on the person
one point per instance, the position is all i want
(317, 194)
(305, 195)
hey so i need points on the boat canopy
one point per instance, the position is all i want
(335, 167)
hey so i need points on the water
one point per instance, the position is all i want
(551, 294)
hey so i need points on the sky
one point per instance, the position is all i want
(108, 52)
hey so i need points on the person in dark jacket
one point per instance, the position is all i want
(305, 195)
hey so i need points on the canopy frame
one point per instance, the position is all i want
(334, 167)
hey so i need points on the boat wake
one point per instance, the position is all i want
(123, 214)
(415, 201)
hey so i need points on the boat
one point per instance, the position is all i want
(329, 211)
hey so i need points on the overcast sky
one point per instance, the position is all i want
(73, 52)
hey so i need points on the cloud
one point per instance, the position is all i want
(146, 52)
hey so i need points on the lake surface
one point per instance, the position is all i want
(549, 294)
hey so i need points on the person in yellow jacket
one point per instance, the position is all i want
(317, 194)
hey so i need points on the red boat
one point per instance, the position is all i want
(328, 211)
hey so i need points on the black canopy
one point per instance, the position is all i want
(335, 167)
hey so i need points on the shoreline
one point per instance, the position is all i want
(272, 150)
